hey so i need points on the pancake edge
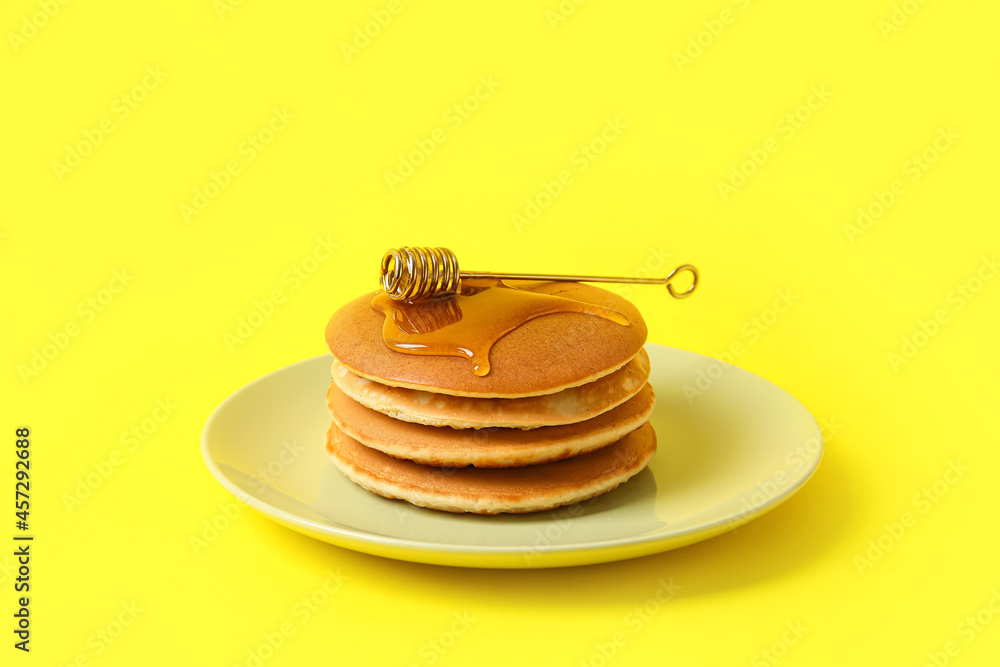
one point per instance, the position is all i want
(442, 502)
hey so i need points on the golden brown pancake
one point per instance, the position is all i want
(565, 407)
(488, 447)
(492, 491)
(542, 356)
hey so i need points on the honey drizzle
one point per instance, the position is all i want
(469, 324)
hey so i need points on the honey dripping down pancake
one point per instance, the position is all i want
(567, 347)
(470, 322)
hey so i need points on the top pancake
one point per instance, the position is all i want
(542, 356)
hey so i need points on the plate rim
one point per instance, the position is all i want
(403, 548)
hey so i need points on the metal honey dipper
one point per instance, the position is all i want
(417, 274)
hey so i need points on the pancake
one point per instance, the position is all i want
(569, 406)
(542, 356)
(488, 447)
(492, 491)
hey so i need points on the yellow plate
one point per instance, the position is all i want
(731, 447)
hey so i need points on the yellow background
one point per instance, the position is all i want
(654, 190)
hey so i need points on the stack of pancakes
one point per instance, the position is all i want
(562, 415)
